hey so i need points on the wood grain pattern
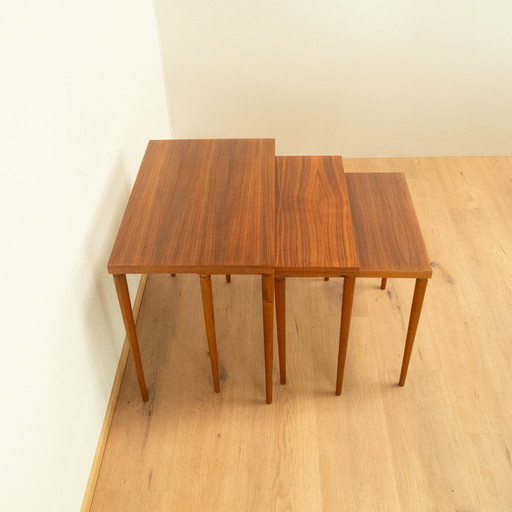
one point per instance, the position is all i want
(202, 206)
(389, 238)
(314, 232)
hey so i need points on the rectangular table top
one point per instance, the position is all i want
(202, 206)
(388, 234)
(314, 231)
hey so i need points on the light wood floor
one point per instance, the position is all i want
(441, 443)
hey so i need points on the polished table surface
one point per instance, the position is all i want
(314, 229)
(387, 231)
(200, 206)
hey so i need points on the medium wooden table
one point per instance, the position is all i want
(314, 236)
(205, 207)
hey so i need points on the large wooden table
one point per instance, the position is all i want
(205, 207)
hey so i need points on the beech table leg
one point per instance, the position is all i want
(126, 310)
(209, 320)
(417, 303)
(383, 283)
(228, 278)
(267, 288)
(280, 289)
(346, 314)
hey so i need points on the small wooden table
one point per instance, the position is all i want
(314, 236)
(389, 239)
(205, 207)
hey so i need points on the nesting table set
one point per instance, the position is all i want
(230, 206)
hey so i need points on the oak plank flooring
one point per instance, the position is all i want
(486, 453)
(354, 442)
(442, 442)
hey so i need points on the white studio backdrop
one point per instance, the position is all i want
(81, 92)
(361, 78)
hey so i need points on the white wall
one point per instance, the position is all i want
(357, 77)
(81, 92)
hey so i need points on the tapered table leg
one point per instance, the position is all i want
(417, 303)
(228, 278)
(123, 295)
(280, 290)
(209, 320)
(346, 314)
(383, 283)
(267, 287)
